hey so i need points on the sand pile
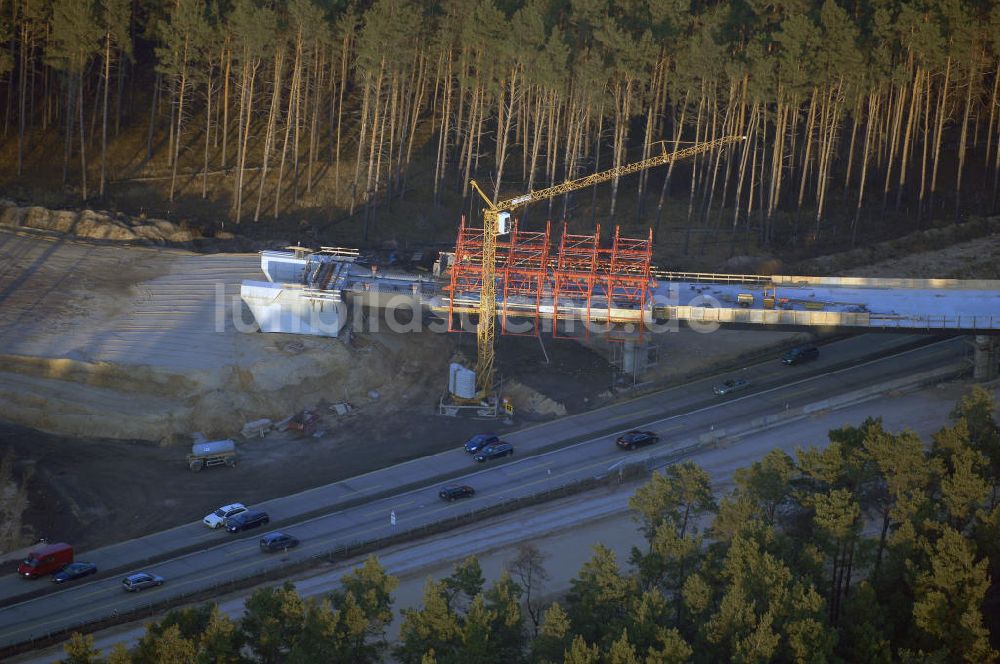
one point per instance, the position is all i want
(531, 402)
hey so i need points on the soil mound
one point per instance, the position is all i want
(94, 225)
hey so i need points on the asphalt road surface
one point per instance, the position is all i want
(680, 416)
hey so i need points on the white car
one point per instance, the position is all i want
(217, 519)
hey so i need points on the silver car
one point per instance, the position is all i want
(141, 581)
(731, 385)
(217, 519)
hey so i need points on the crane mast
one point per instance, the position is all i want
(486, 329)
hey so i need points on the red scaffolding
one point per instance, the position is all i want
(628, 277)
(522, 267)
(466, 274)
(585, 281)
(574, 277)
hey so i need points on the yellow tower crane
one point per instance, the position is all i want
(496, 219)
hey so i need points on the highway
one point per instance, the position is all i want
(566, 529)
(680, 415)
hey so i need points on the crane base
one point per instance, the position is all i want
(453, 407)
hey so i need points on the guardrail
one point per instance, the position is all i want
(667, 275)
(805, 317)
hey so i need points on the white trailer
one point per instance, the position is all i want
(212, 453)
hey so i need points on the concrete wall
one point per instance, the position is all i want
(874, 282)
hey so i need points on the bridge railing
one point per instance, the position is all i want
(831, 318)
(937, 322)
(667, 275)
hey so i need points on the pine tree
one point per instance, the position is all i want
(115, 18)
(431, 628)
(184, 37)
(220, 640)
(599, 597)
(369, 588)
(272, 621)
(80, 649)
(581, 652)
(72, 44)
(554, 636)
(949, 598)
(507, 635)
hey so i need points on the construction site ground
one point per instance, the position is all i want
(112, 356)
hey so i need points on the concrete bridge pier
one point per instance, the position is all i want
(630, 359)
(985, 357)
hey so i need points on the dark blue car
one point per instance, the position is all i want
(74, 571)
(494, 452)
(246, 520)
(278, 542)
(480, 441)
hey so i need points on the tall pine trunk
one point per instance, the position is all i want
(272, 119)
(179, 122)
(83, 142)
(289, 115)
(104, 119)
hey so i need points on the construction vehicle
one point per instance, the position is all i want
(496, 221)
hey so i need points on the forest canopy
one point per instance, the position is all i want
(888, 106)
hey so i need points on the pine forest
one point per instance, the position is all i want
(854, 113)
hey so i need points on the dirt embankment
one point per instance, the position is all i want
(961, 251)
(106, 400)
(94, 225)
(103, 341)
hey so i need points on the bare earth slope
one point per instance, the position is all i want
(153, 334)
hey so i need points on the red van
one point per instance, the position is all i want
(47, 559)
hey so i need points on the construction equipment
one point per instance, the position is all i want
(496, 221)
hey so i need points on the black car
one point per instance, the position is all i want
(455, 492)
(800, 355)
(74, 571)
(480, 441)
(495, 452)
(246, 520)
(278, 542)
(633, 439)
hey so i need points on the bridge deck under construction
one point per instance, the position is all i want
(602, 297)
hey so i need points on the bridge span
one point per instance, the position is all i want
(912, 304)
(311, 293)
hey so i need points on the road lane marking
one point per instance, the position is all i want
(525, 471)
